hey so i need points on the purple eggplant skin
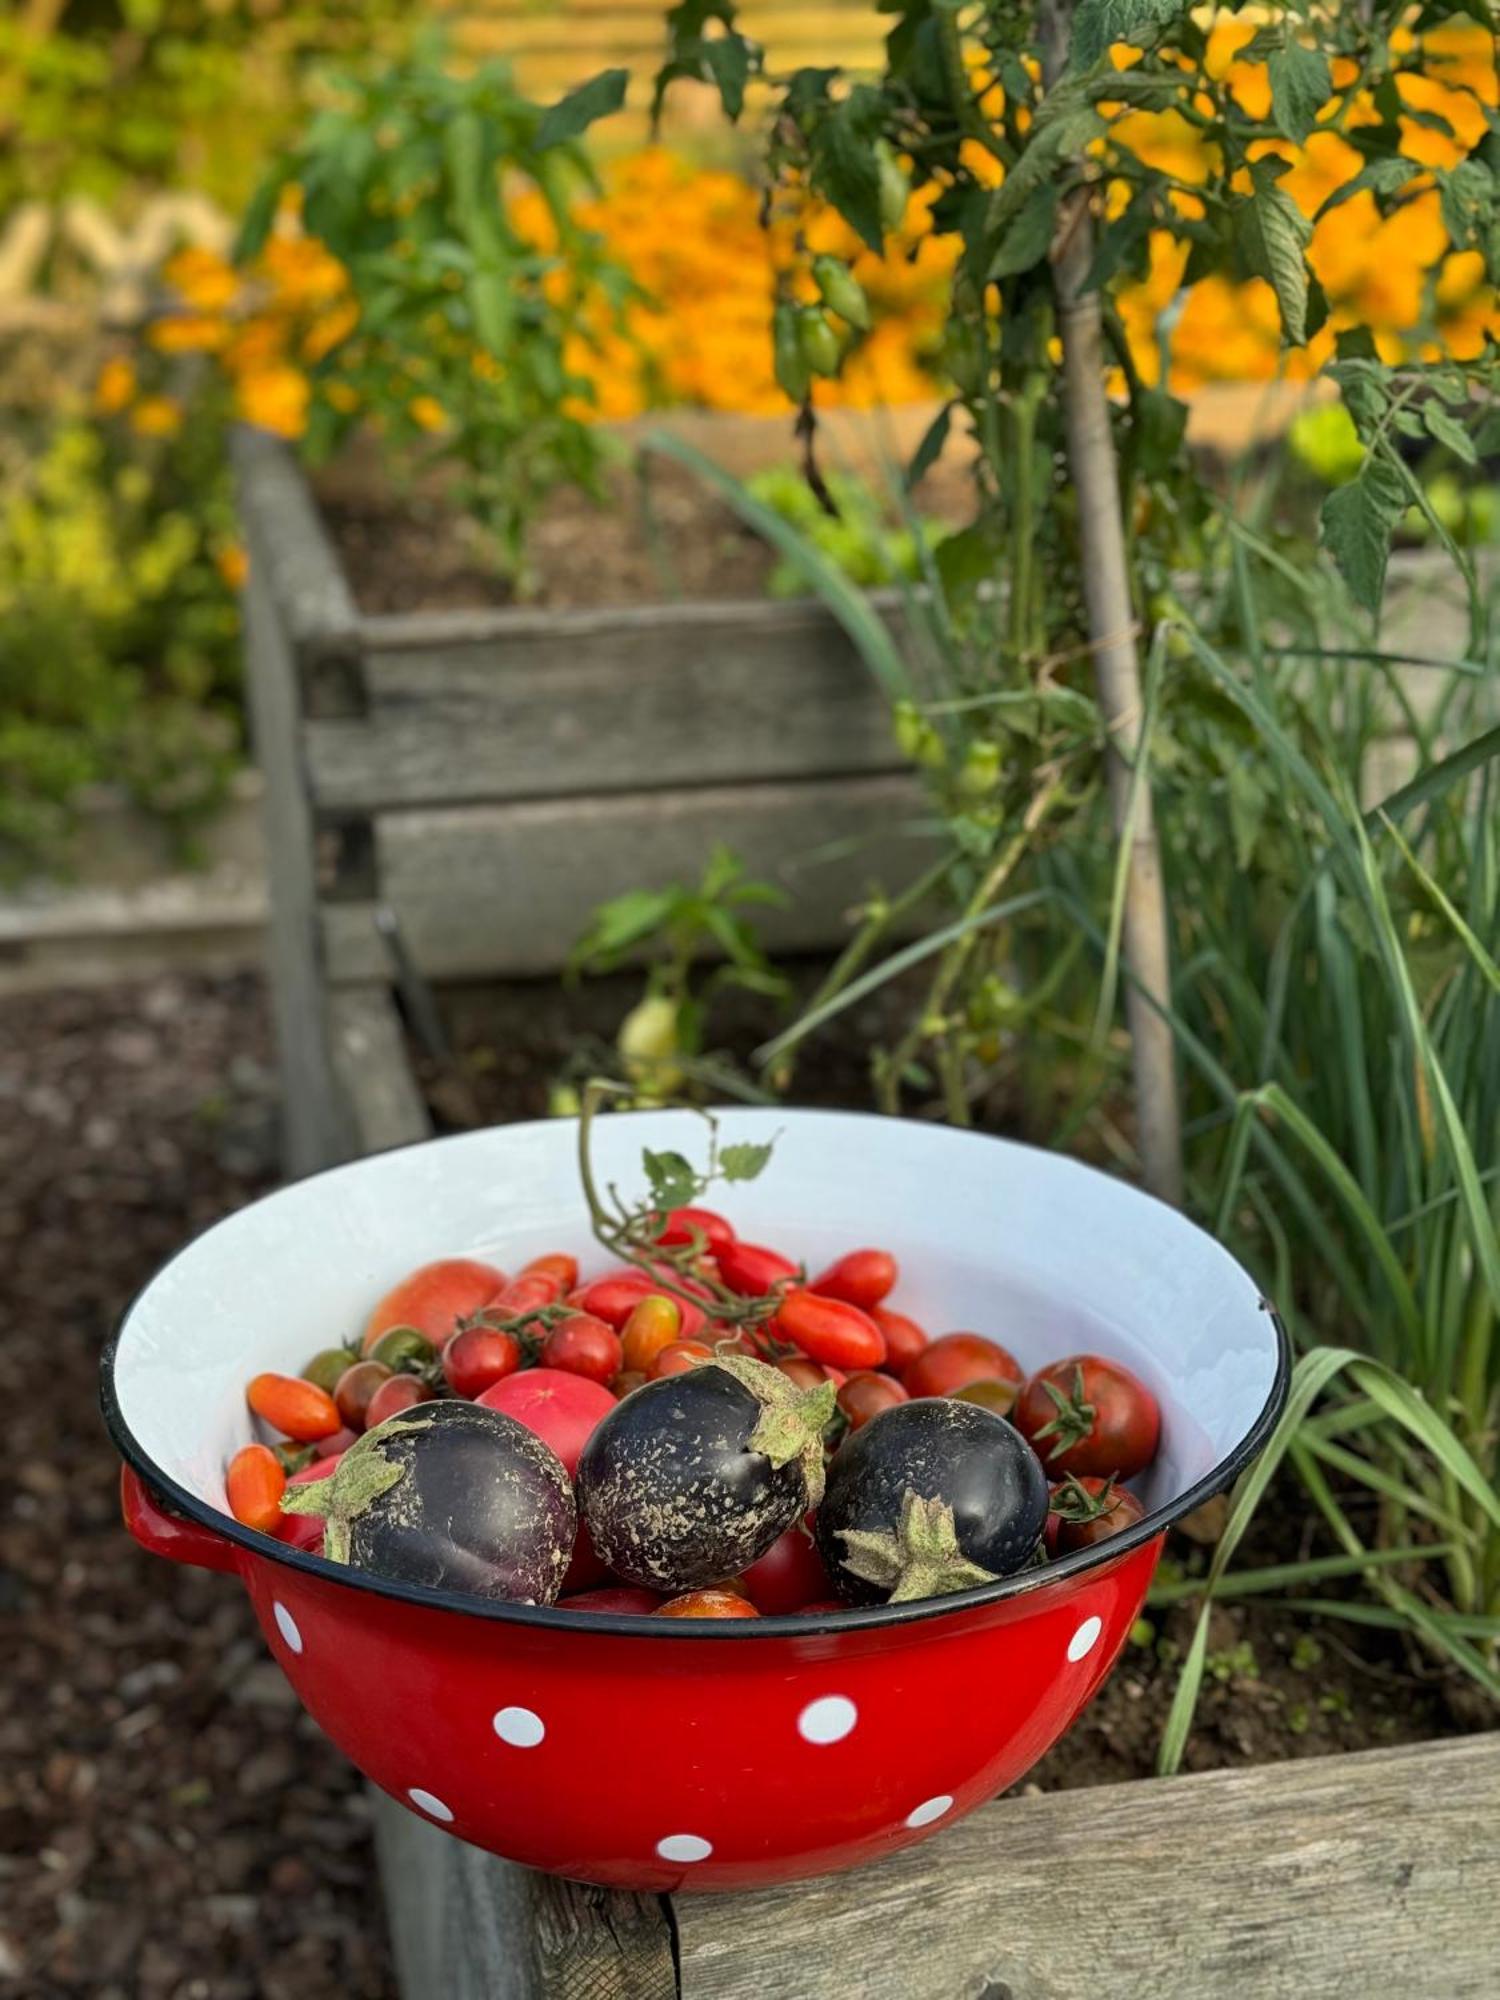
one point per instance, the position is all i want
(481, 1505)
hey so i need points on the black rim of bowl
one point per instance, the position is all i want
(645, 1625)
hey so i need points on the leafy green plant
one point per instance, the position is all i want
(466, 321)
(846, 524)
(676, 929)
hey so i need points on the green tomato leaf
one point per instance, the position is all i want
(1380, 177)
(572, 115)
(1097, 23)
(1273, 235)
(744, 1162)
(930, 450)
(673, 1182)
(845, 164)
(1357, 522)
(1450, 432)
(1028, 236)
(1301, 84)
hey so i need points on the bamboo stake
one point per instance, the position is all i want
(1111, 619)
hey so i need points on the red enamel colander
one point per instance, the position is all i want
(661, 1755)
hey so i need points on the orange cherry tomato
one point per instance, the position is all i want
(254, 1485)
(298, 1409)
(435, 1298)
(655, 1322)
(708, 1604)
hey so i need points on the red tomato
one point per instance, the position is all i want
(394, 1396)
(654, 1323)
(477, 1356)
(355, 1387)
(866, 1394)
(1087, 1415)
(708, 1604)
(829, 1330)
(619, 1598)
(904, 1339)
(253, 1486)
(789, 1574)
(696, 1225)
(860, 1277)
(625, 1381)
(678, 1359)
(524, 1294)
(337, 1445)
(434, 1299)
(809, 1374)
(298, 1409)
(556, 1265)
(583, 1345)
(957, 1360)
(752, 1270)
(305, 1531)
(562, 1409)
(612, 1298)
(1086, 1511)
(990, 1394)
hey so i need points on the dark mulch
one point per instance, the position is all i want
(172, 1827)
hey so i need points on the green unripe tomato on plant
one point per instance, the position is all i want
(979, 773)
(818, 341)
(917, 738)
(841, 291)
(792, 371)
(895, 188)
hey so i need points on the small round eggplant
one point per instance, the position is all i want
(930, 1497)
(454, 1496)
(693, 1476)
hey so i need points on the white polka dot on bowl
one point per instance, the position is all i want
(1085, 1638)
(286, 1625)
(929, 1810)
(829, 1719)
(684, 1847)
(522, 1728)
(429, 1803)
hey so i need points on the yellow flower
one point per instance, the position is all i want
(232, 564)
(202, 279)
(428, 412)
(328, 329)
(274, 399)
(187, 333)
(305, 275)
(156, 417)
(115, 386)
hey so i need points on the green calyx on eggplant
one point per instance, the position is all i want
(693, 1477)
(930, 1497)
(453, 1496)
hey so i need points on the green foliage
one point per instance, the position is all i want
(117, 631)
(850, 529)
(466, 316)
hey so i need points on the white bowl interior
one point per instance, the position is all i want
(1047, 1256)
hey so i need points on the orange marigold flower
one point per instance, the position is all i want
(156, 417)
(202, 279)
(274, 399)
(187, 333)
(427, 412)
(232, 564)
(328, 329)
(115, 386)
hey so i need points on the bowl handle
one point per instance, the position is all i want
(169, 1535)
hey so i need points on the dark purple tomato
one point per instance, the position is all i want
(692, 1477)
(454, 1496)
(929, 1497)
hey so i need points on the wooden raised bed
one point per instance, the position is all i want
(473, 771)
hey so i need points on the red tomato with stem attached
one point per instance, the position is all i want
(866, 1394)
(298, 1409)
(1089, 1416)
(563, 1410)
(829, 1330)
(1086, 1511)
(696, 1225)
(253, 1485)
(435, 1298)
(789, 1574)
(583, 1345)
(957, 1360)
(752, 1270)
(478, 1356)
(904, 1339)
(860, 1278)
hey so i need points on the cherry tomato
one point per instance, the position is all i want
(434, 1299)
(563, 1410)
(679, 1358)
(253, 1485)
(808, 1374)
(524, 1294)
(556, 1265)
(1086, 1511)
(336, 1445)
(1087, 1415)
(957, 1360)
(305, 1531)
(583, 1345)
(708, 1604)
(860, 1278)
(904, 1339)
(866, 1394)
(297, 1409)
(621, 1598)
(655, 1322)
(696, 1225)
(404, 1348)
(326, 1367)
(752, 1270)
(398, 1394)
(476, 1356)
(829, 1330)
(612, 1298)
(627, 1380)
(788, 1574)
(354, 1389)
(990, 1394)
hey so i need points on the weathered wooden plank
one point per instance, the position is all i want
(567, 702)
(504, 891)
(368, 1053)
(1311, 1880)
(295, 561)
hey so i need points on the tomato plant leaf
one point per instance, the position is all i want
(1450, 432)
(744, 1161)
(930, 450)
(1097, 23)
(1301, 84)
(1028, 235)
(572, 115)
(673, 1182)
(1273, 234)
(845, 165)
(1380, 177)
(1357, 522)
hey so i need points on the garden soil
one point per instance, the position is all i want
(172, 1827)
